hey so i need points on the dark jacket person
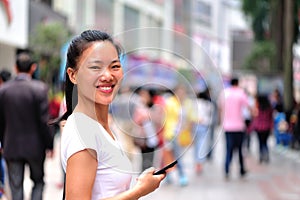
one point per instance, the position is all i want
(24, 132)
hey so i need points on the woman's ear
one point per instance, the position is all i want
(72, 75)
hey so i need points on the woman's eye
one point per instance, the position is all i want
(95, 67)
(116, 66)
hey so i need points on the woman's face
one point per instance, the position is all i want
(99, 73)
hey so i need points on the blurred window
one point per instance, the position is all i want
(131, 21)
(203, 13)
(104, 15)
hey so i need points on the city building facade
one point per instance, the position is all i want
(18, 20)
(188, 34)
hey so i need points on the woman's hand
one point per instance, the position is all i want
(147, 182)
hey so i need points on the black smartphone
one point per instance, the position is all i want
(164, 169)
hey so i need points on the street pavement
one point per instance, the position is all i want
(278, 180)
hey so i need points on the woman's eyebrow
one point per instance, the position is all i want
(96, 61)
(101, 62)
(115, 61)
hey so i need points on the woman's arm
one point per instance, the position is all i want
(80, 175)
(81, 172)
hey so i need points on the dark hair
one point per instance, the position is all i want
(263, 102)
(234, 81)
(149, 91)
(77, 46)
(279, 108)
(5, 75)
(24, 62)
(202, 95)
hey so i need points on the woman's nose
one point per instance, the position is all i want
(106, 75)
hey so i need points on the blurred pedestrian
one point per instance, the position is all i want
(5, 75)
(201, 132)
(158, 117)
(262, 124)
(296, 128)
(175, 123)
(96, 166)
(247, 112)
(146, 138)
(54, 106)
(231, 108)
(214, 122)
(281, 127)
(24, 131)
(54, 110)
(276, 98)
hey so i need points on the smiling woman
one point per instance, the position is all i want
(95, 165)
(99, 73)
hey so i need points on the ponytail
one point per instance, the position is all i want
(69, 86)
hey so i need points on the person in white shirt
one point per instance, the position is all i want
(96, 166)
(203, 121)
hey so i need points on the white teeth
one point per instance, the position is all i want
(105, 88)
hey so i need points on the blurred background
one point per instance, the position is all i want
(205, 42)
(255, 40)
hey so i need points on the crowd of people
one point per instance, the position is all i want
(104, 126)
(241, 116)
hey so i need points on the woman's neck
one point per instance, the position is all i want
(97, 112)
(102, 115)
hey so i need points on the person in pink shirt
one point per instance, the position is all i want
(235, 99)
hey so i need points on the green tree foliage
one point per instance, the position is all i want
(261, 56)
(275, 21)
(267, 20)
(258, 13)
(46, 43)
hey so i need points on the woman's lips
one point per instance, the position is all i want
(105, 89)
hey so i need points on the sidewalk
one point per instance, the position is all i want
(278, 180)
(288, 153)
